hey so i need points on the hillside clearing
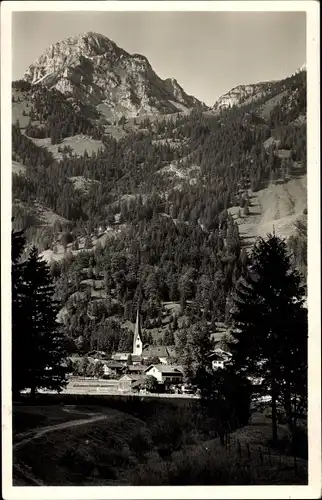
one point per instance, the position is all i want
(275, 207)
(42, 215)
(101, 239)
(82, 183)
(267, 108)
(48, 216)
(18, 168)
(78, 144)
(20, 108)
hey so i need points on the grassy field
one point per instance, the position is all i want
(243, 459)
(78, 144)
(127, 441)
(103, 451)
(31, 418)
(82, 451)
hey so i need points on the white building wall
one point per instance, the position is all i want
(137, 346)
(155, 373)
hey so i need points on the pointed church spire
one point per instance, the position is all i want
(137, 341)
(137, 324)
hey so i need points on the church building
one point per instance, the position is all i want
(137, 340)
(141, 352)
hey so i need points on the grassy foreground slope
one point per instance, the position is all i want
(77, 454)
(131, 442)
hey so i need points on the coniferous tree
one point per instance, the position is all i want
(168, 337)
(45, 351)
(19, 337)
(270, 328)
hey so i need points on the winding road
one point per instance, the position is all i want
(22, 472)
(28, 436)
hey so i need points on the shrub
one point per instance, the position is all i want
(193, 467)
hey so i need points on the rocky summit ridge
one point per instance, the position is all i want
(93, 69)
(244, 94)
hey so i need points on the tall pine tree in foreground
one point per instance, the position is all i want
(19, 337)
(46, 348)
(224, 393)
(38, 343)
(270, 334)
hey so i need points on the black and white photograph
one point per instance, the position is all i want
(159, 331)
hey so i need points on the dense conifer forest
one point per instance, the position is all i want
(173, 238)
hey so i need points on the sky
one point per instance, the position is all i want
(207, 52)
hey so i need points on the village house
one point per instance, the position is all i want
(129, 383)
(163, 352)
(135, 369)
(112, 368)
(165, 374)
(219, 358)
(122, 357)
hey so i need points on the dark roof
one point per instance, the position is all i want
(139, 382)
(131, 376)
(135, 357)
(113, 364)
(136, 368)
(95, 353)
(167, 369)
(219, 354)
(120, 356)
(162, 351)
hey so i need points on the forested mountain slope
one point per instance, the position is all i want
(160, 210)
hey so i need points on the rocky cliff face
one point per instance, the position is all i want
(242, 94)
(93, 69)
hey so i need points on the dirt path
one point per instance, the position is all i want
(26, 437)
(22, 476)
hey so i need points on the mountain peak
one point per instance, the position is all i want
(93, 69)
(300, 69)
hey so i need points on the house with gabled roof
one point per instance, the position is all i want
(163, 352)
(129, 382)
(135, 369)
(112, 367)
(219, 358)
(165, 374)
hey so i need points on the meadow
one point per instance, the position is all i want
(115, 440)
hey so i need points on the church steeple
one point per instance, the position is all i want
(137, 341)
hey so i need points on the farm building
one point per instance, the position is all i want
(163, 352)
(135, 369)
(112, 367)
(122, 357)
(129, 382)
(219, 358)
(165, 374)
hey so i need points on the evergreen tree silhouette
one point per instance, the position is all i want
(270, 328)
(45, 343)
(19, 340)
(168, 337)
